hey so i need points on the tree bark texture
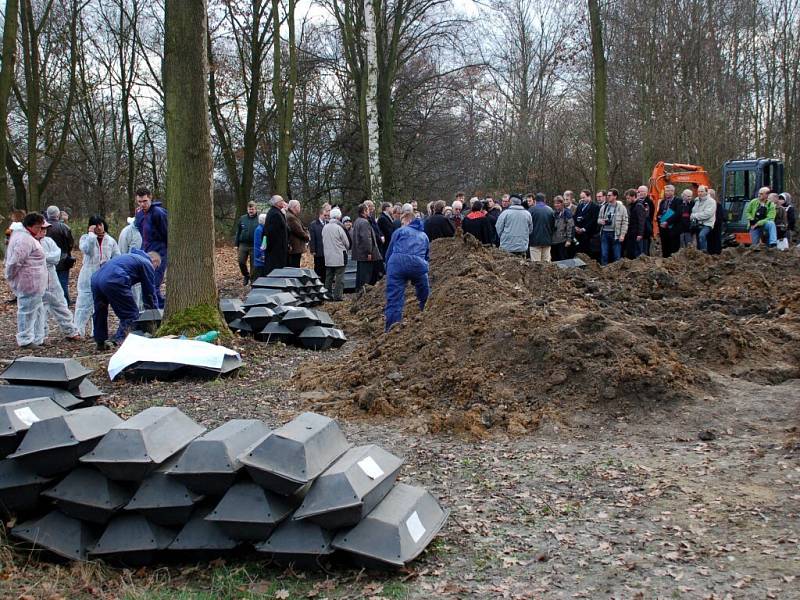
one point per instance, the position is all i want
(375, 187)
(600, 97)
(6, 78)
(189, 183)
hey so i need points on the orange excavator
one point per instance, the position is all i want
(665, 174)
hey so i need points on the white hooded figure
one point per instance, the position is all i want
(130, 238)
(95, 254)
(54, 301)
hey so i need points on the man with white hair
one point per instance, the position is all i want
(760, 213)
(298, 234)
(514, 226)
(61, 234)
(245, 230)
(336, 243)
(277, 232)
(704, 214)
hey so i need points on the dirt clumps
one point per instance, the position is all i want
(503, 344)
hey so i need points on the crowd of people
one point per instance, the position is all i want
(126, 275)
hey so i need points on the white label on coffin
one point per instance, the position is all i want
(371, 468)
(26, 415)
(415, 527)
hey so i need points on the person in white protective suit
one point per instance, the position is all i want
(26, 272)
(129, 239)
(55, 303)
(98, 247)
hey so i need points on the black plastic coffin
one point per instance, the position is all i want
(89, 495)
(230, 363)
(64, 398)
(241, 327)
(296, 272)
(350, 488)
(19, 487)
(317, 338)
(258, 317)
(339, 337)
(17, 417)
(300, 542)
(275, 332)
(570, 263)
(323, 318)
(231, 308)
(133, 540)
(397, 530)
(87, 391)
(292, 455)
(149, 320)
(59, 534)
(154, 370)
(136, 447)
(297, 319)
(65, 373)
(55, 445)
(278, 284)
(200, 535)
(163, 499)
(210, 463)
(248, 512)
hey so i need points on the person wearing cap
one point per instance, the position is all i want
(277, 232)
(61, 234)
(245, 232)
(129, 239)
(26, 272)
(55, 304)
(407, 259)
(112, 285)
(152, 223)
(514, 227)
(98, 247)
(336, 243)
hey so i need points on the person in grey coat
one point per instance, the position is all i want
(544, 224)
(365, 247)
(336, 243)
(514, 226)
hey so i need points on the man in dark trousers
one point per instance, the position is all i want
(386, 225)
(365, 248)
(277, 232)
(315, 243)
(112, 284)
(669, 216)
(586, 227)
(244, 240)
(151, 221)
(62, 236)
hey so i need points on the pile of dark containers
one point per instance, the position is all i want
(86, 483)
(279, 308)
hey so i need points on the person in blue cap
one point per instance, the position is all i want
(407, 260)
(112, 284)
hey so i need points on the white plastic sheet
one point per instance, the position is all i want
(136, 348)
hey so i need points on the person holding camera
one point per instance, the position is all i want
(704, 214)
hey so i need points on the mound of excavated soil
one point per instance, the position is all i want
(503, 343)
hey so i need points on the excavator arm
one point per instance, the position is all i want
(674, 173)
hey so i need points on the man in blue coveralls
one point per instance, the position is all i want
(406, 260)
(112, 284)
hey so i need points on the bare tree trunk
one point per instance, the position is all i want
(284, 98)
(191, 282)
(373, 138)
(600, 100)
(6, 77)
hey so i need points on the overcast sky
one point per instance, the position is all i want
(315, 11)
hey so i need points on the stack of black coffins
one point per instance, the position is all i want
(62, 380)
(273, 314)
(136, 491)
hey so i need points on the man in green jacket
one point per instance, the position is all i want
(244, 240)
(760, 213)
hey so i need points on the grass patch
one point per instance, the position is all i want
(195, 321)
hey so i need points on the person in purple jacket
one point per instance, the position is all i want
(151, 221)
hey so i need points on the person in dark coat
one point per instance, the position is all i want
(245, 232)
(112, 284)
(715, 237)
(439, 226)
(386, 225)
(669, 217)
(315, 242)
(637, 214)
(478, 224)
(277, 232)
(298, 234)
(544, 225)
(586, 227)
(151, 221)
(365, 248)
(62, 236)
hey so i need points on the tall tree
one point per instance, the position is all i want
(600, 97)
(191, 283)
(283, 95)
(374, 186)
(6, 78)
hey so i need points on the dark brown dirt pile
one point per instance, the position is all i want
(503, 343)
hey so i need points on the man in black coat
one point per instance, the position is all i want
(586, 227)
(439, 226)
(315, 243)
(277, 232)
(386, 226)
(62, 236)
(669, 224)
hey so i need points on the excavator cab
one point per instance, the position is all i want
(741, 180)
